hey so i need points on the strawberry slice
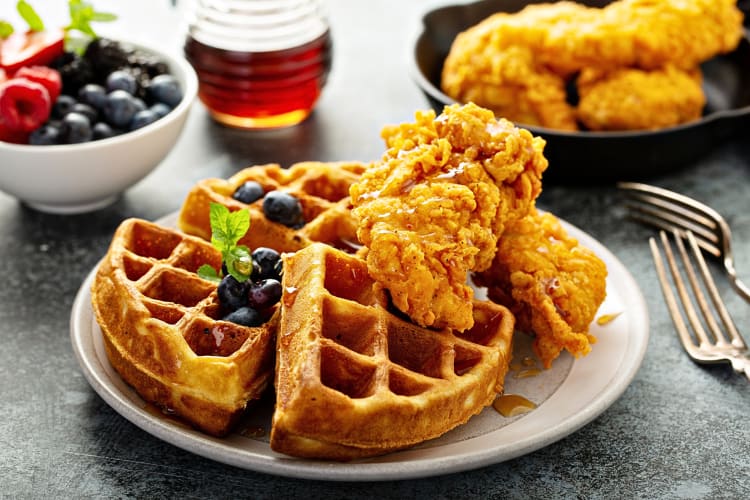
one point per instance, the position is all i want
(44, 75)
(24, 105)
(32, 48)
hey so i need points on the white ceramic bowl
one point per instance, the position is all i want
(75, 178)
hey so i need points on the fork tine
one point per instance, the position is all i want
(697, 291)
(674, 311)
(674, 212)
(736, 338)
(668, 210)
(703, 212)
(680, 285)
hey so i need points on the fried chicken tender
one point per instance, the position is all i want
(646, 34)
(633, 99)
(552, 284)
(511, 84)
(518, 64)
(432, 208)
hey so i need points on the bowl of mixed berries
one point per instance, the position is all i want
(79, 127)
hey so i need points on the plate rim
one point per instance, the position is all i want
(277, 464)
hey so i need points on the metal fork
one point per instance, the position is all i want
(669, 210)
(718, 344)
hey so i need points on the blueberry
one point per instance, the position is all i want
(45, 135)
(166, 89)
(87, 110)
(245, 316)
(160, 109)
(267, 260)
(143, 118)
(120, 108)
(232, 293)
(102, 130)
(62, 106)
(283, 208)
(94, 95)
(249, 192)
(122, 80)
(264, 294)
(140, 104)
(75, 128)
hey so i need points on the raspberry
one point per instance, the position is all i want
(14, 136)
(48, 77)
(24, 105)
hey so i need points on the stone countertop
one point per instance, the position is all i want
(679, 430)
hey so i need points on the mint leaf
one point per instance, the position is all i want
(27, 12)
(6, 29)
(103, 17)
(239, 263)
(208, 273)
(227, 227)
(82, 14)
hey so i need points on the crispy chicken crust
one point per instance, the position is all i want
(432, 208)
(512, 83)
(518, 64)
(634, 99)
(552, 284)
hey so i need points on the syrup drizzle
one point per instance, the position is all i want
(510, 405)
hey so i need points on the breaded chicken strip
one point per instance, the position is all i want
(650, 34)
(634, 99)
(552, 284)
(518, 64)
(566, 37)
(511, 84)
(432, 208)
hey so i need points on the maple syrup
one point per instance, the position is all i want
(259, 64)
(510, 405)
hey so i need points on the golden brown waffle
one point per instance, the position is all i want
(354, 379)
(161, 332)
(321, 188)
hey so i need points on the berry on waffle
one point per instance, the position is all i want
(161, 330)
(322, 190)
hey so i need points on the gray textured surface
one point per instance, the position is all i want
(679, 430)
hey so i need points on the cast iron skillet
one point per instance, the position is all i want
(602, 156)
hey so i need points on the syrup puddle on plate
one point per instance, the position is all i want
(510, 405)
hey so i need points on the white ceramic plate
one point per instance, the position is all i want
(568, 396)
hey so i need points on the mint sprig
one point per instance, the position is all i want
(227, 228)
(82, 14)
(28, 14)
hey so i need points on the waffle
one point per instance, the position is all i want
(356, 379)
(321, 188)
(161, 332)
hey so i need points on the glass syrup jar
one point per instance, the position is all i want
(260, 63)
